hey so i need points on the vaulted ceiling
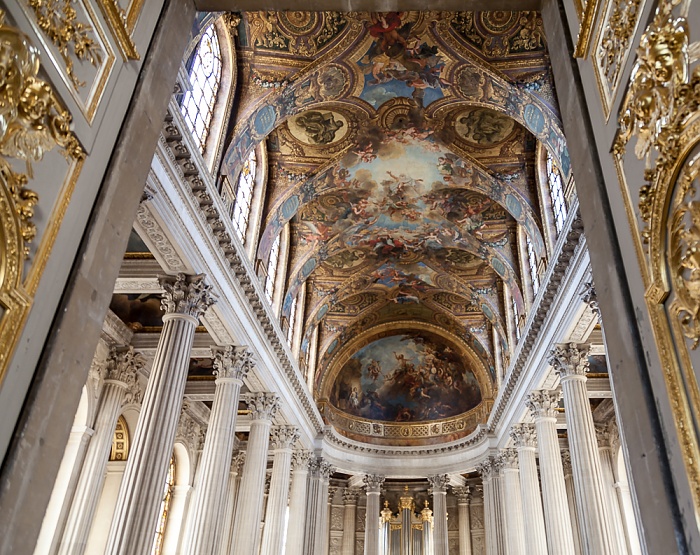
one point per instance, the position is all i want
(401, 153)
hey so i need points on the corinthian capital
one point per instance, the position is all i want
(123, 367)
(185, 294)
(543, 403)
(325, 469)
(508, 459)
(524, 435)
(263, 406)
(300, 460)
(462, 493)
(232, 362)
(487, 469)
(283, 437)
(439, 482)
(589, 296)
(373, 482)
(350, 496)
(569, 360)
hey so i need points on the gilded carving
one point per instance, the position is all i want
(120, 25)
(58, 19)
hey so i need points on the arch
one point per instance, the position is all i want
(120, 441)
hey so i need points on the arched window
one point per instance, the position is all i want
(164, 508)
(292, 321)
(272, 265)
(532, 265)
(556, 193)
(205, 77)
(244, 196)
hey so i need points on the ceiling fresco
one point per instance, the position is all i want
(401, 151)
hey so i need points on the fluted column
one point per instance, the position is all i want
(246, 523)
(283, 437)
(571, 364)
(120, 386)
(525, 439)
(373, 484)
(331, 495)
(185, 299)
(543, 405)
(312, 508)
(229, 505)
(297, 503)
(321, 538)
(463, 494)
(571, 499)
(438, 484)
(231, 365)
(350, 496)
(512, 502)
(605, 450)
(491, 522)
(426, 516)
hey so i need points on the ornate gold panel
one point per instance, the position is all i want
(587, 11)
(122, 23)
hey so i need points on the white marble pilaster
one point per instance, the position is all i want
(297, 503)
(571, 364)
(543, 405)
(283, 438)
(525, 439)
(511, 500)
(463, 494)
(231, 365)
(246, 523)
(350, 496)
(438, 484)
(120, 385)
(373, 484)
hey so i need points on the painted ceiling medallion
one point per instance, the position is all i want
(482, 127)
(318, 127)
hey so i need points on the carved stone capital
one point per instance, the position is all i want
(123, 367)
(569, 360)
(300, 460)
(187, 295)
(373, 482)
(439, 482)
(508, 459)
(486, 469)
(543, 403)
(325, 469)
(606, 434)
(524, 435)
(350, 495)
(462, 493)
(588, 296)
(283, 437)
(263, 406)
(237, 462)
(232, 362)
(566, 461)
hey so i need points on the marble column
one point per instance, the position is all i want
(476, 513)
(246, 523)
(297, 503)
(312, 507)
(525, 439)
(605, 450)
(571, 365)
(229, 506)
(350, 496)
(487, 472)
(463, 494)
(324, 522)
(543, 405)
(331, 495)
(120, 386)
(373, 484)
(571, 498)
(231, 365)
(438, 484)
(426, 516)
(283, 437)
(511, 500)
(185, 299)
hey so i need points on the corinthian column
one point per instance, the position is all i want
(120, 386)
(246, 524)
(297, 503)
(543, 405)
(231, 365)
(491, 522)
(439, 485)
(373, 484)
(350, 496)
(571, 498)
(322, 537)
(512, 502)
(464, 495)
(185, 299)
(571, 364)
(533, 517)
(229, 505)
(283, 437)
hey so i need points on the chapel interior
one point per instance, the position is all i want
(349, 282)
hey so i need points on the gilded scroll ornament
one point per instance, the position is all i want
(58, 19)
(685, 262)
(615, 40)
(119, 23)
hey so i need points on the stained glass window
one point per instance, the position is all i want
(556, 192)
(164, 508)
(272, 269)
(532, 263)
(292, 321)
(244, 196)
(205, 76)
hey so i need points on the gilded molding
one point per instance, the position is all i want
(119, 24)
(585, 31)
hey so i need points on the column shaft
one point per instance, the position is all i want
(349, 514)
(372, 523)
(571, 499)
(465, 539)
(512, 503)
(229, 505)
(297, 503)
(605, 452)
(439, 486)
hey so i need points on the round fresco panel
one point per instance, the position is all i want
(318, 127)
(408, 377)
(483, 127)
